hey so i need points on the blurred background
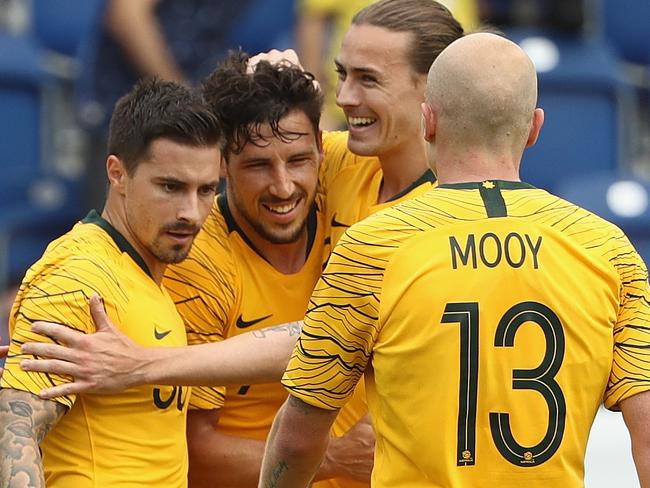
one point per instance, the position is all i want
(64, 63)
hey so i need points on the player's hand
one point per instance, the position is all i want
(288, 57)
(103, 362)
(352, 455)
(275, 57)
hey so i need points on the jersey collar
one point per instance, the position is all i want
(501, 184)
(427, 177)
(123, 245)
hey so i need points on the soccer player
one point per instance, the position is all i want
(163, 173)
(255, 264)
(490, 318)
(382, 69)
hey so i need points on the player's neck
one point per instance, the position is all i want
(470, 167)
(401, 167)
(114, 215)
(286, 258)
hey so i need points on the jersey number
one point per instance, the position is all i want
(540, 379)
(176, 394)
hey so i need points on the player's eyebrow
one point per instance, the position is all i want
(168, 179)
(356, 69)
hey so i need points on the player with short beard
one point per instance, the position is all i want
(163, 173)
(254, 266)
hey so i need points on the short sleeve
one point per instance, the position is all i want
(341, 326)
(47, 300)
(630, 372)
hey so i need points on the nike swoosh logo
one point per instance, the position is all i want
(336, 223)
(244, 324)
(160, 335)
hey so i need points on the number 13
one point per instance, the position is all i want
(540, 379)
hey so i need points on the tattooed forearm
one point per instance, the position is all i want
(25, 419)
(276, 473)
(290, 328)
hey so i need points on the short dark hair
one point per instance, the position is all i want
(244, 101)
(155, 109)
(431, 23)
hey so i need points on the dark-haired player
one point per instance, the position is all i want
(163, 172)
(254, 266)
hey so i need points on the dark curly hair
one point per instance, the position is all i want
(243, 102)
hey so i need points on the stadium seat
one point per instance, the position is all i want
(625, 26)
(34, 199)
(585, 97)
(618, 197)
(266, 25)
(21, 81)
(65, 25)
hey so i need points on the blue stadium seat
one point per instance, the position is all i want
(266, 25)
(584, 96)
(621, 198)
(625, 26)
(34, 199)
(21, 82)
(65, 25)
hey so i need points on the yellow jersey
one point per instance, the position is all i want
(130, 439)
(491, 320)
(225, 288)
(352, 183)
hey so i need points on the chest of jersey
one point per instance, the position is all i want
(268, 298)
(147, 422)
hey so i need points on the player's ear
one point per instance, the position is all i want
(116, 172)
(536, 126)
(428, 123)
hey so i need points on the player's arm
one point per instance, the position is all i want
(108, 361)
(135, 27)
(220, 460)
(296, 445)
(351, 455)
(636, 412)
(628, 388)
(25, 420)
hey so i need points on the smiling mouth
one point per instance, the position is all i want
(282, 209)
(181, 236)
(360, 122)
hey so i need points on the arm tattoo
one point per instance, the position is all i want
(291, 328)
(304, 408)
(279, 468)
(25, 420)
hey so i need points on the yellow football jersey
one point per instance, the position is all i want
(131, 439)
(352, 184)
(225, 288)
(491, 320)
